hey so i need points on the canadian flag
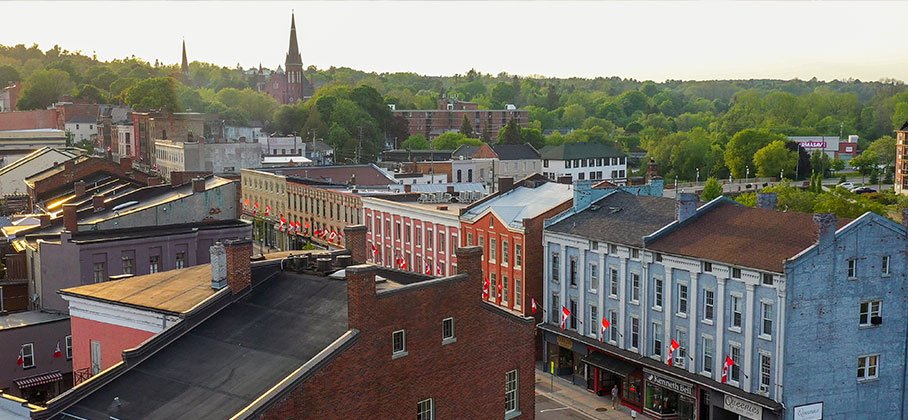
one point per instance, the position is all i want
(533, 306)
(605, 325)
(429, 273)
(671, 352)
(306, 226)
(485, 288)
(283, 222)
(21, 360)
(499, 293)
(374, 251)
(565, 314)
(728, 363)
(245, 202)
(255, 208)
(437, 270)
(267, 210)
(315, 232)
(333, 236)
(57, 353)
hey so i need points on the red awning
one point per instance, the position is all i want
(39, 379)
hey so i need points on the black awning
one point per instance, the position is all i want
(610, 364)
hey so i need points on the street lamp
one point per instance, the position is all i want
(698, 175)
(746, 174)
(781, 174)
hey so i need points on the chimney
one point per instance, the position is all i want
(97, 202)
(218, 266)
(238, 254)
(79, 188)
(69, 165)
(687, 205)
(355, 242)
(825, 223)
(767, 200)
(505, 184)
(44, 219)
(126, 163)
(652, 170)
(564, 179)
(469, 262)
(198, 185)
(360, 295)
(70, 218)
(176, 178)
(408, 188)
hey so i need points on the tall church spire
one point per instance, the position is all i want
(184, 66)
(293, 54)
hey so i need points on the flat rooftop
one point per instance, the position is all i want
(27, 318)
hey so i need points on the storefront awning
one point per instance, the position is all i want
(610, 364)
(39, 379)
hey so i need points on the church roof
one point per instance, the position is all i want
(293, 54)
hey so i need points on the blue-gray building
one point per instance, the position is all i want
(796, 301)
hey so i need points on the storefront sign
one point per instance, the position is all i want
(743, 408)
(813, 144)
(565, 342)
(668, 383)
(809, 412)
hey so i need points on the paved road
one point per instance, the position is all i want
(546, 409)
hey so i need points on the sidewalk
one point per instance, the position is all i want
(580, 399)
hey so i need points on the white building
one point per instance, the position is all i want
(584, 161)
(82, 128)
(282, 146)
(217, 158)
(486, 164)
(126, 146)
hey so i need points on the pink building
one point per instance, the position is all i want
(409, 233)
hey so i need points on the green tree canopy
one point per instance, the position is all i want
(416, 142)
(465, 128)
(743, 146)
(774, 159)
(452, 140)
(711, 189)
(43, 88)
(8, 74)
(155, 93)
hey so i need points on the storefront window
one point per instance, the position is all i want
(632, 391)
(668, 399)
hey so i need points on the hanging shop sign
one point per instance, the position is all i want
(743, 408)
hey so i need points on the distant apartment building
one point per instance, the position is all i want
(449, 116)
(149, 127)
(584, 161)
(901, 159)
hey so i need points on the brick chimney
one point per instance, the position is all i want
(505, 184)
(767, 200)
(687, 205)
(70, 218)
(79, 188)
(469, 262)
(126, 163)
(44, 220)
(97, 202)
(238, 254)
(198, 185)
(218, 266)
(69, 165)
(652, 170)
(355, 242)
(825, 223)
(360, 295)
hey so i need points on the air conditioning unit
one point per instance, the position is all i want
(876, 320)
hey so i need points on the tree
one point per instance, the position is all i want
(92, 94)
(8, 74)
(510, 133)
(711, 189)
(884, 148)
(415, 142)
(775, 158)
(155, 93)
(865, 163)
(837, 164)
(740, 150)
(573, 115)
(452, 140)
(43, 88)
(465, 128)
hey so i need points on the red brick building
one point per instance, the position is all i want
(290, 85)
(449, 116)
(901, 159)
(283, 340)
(508, 226)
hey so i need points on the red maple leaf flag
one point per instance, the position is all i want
(307, 225)
(374, 251)
(485, 288)
(565, 314)
(21, 360)
(57, 353)
(245, 202)
(333, 236)
(429, 273)
(283, 222)
(605, 325)
(533, 305)
(499, 293)
(671, 352)
(437, 270)
(728, 363)
(267, 210)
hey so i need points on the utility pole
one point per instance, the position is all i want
(359, 145)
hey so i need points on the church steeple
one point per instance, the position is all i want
(184, 66)
(293, 53)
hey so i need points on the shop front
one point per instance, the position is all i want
(566, 355)
(605, 372)
(668, 398)
(39, 389)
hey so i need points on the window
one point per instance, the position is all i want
(852, 268)
(447, 330)
(425, 410)
(418, 233)
(180, 260)
(884, 265)
(658, 257)
(613, 326)
(573, 316)
(128, 264)
(493, 281)
(510, 391)
(867, 367)
(469, 238)
(518, 292)
(69, 347)
(612, 249)
(682, 299)
(767, 279)
(869, 310)
(735, 273)
(613, 282)
(680, 358)
(441, 242)
(766, 310)
(657, 293)
(407, 233)
(635, 333)
(708, 304)
(635, 253)
(707, 267)
(493, 249)
(635, 287)
(573, 271)
(399, 343)
(594, 321)
(594, 277)
(766, 371)
(429, 239)
(100, 273)
(28, 355)
(657, 339)
(505, 256)
(505, 289)
(735, 374)
(707, 354)
(397, 231)
(518, 255)
(556, 309)
(736, 316)
(154, 263)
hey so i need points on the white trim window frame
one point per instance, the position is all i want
(709, 306)
(708, 355)
(736, 314)
(28, 355)
(868, 367)
(868, 310)
(594, 278)
(613, 282)
(658, 286)
(398, 344)
(767, 317)
(425, 409)
(683, 299)
(447, 331)
(511, 393)
(765, 379)
(635, 288)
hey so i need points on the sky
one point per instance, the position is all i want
(642, 40)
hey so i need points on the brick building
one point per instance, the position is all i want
(449, 115)
(508, 227)
(901, 159)
(302, 344)
(290, 85)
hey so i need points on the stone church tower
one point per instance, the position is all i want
(290, 85)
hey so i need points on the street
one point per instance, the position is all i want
(547, 409)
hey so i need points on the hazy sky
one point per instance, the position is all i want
(645, 40)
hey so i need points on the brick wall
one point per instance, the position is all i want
(466, 378)
(239, 269)
(81, 170)
(113, 338)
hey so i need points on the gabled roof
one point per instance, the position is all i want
(68, 152)
(620, 217)
(734, 234)
(569, 151)
(904, 126)
(498, 151)
(523, 203)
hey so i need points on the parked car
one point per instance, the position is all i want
(848, 185)
(863, 190)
